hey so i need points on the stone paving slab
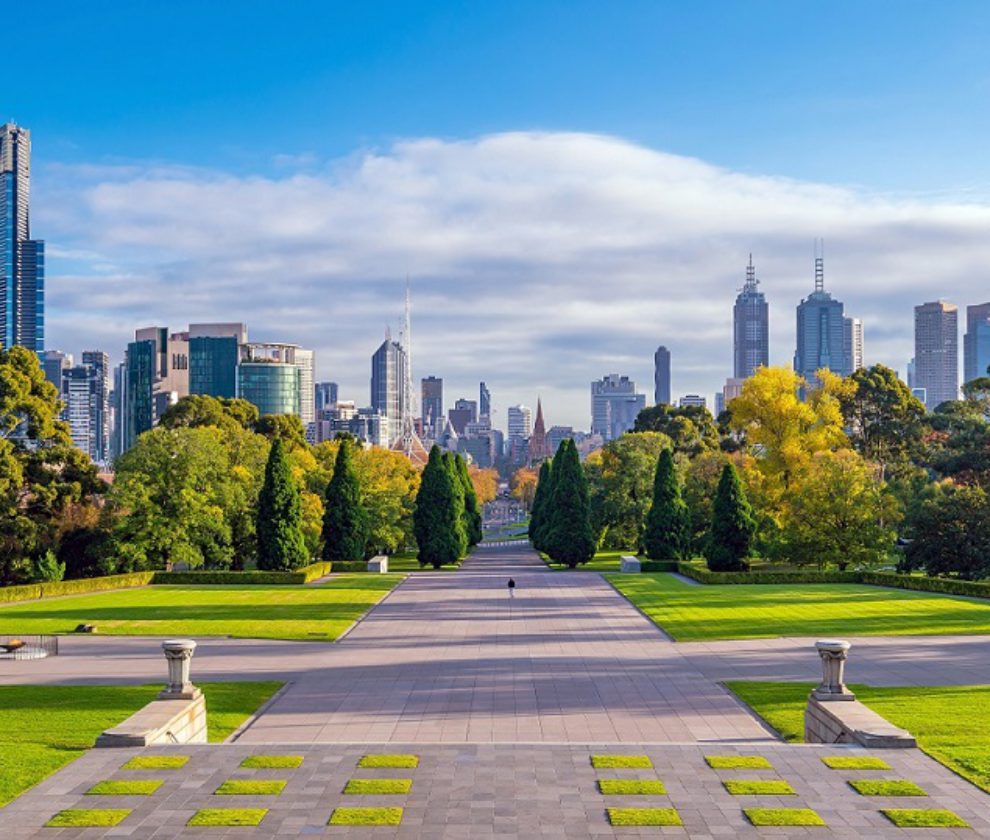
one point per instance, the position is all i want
(494, 791)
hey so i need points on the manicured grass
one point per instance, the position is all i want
(886, 787)
(603, 561)
(279, 762)
(759, 787)
(948, 721)
(691, 613)
(631, 787)
(156, 762)
(46, 727)
(366, 816)
(228, 816)
(923, 818)
(854, 762)
(395, 760)
(644, 816)
(782, 816)
(319, 613)
(609, 762)
(125, 787)
(88, 817)
(251, 787)
(738, 762)
(383, 786)
(406, 562)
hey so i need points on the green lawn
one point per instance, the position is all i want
(406, 562)
(265, 612)
(739, 611)
(43, 728)
(603, 561)
(950, 722)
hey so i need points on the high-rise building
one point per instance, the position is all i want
(661, 376)
(156, 375)
(214, 353)
(936, 352)
(470, 406)
(432, 403)
(821, 332)
(54, 362)
(83, 408)
(99, 363)
(388, 389)
(326, 396)
(484, 401)
(614, 406)
(519, 419)
(557, 435)
(976, 342)
(460, 416)
(750, 327)
(22, 259)
(852, 343)
(695, 400)
(270, 376)
(305, 360)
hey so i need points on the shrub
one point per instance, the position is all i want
(34, 591)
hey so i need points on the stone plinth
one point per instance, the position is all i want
(378, 564)
(851, 722)
(179, 654)
(629, 564)
(160, 722)
(833, 653)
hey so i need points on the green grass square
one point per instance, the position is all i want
(612, 762)
(855, 762)
(923, 818)
(759, 787)
(125, 787)
(228, 816)
(366, 816)
(88, 817)
(782, 816)
(631, 787)
(393, 760)
(738, 762)
(156, 762)
(251, 787)
(382, 786)
(886, 787)
(275, 762)
(644, 816)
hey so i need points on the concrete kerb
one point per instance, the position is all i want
(653, 624)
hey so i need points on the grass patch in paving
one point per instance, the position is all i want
(923, 818)
(276, 762)
(254, 612)
(88, 817)
(759, 787)
(46, 727)
(948, 721)
(228, 816)
(738, 762)
(644, 816)
(251, 787)
(631, 787)
(125, 787)
(855, 762)
(390, 760)
(384, 786)
(612, 762)
(691, 613)
(886, 787)
(156, 762)
(782, 816)
(366, 816)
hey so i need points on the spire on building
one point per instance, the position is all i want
(752, 283)
(538, 440)
(409, 441)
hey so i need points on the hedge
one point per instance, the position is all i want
(350, 565)
(303, 574)
(947, 586)
(35, 591)
(702, 575)
(658, 565)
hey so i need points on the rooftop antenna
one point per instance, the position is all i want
(409, 440)
(819, 265)
(751, 281)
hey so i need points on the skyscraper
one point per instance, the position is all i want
(750, 327)
(852, 343)
(820, 332)
(54, 362)
(614, 406)
(388, 394)
(99, 363)
(326, 396)
(519, 420)
(214, 353)
(661, 376)
(936, 352)
(22, 259)
(976, 343)
(484, 401)
(432, 392)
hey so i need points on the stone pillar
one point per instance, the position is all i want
(179, 654)
(833, 655)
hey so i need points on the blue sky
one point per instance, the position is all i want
(299, 102)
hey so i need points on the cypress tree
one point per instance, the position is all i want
(437, 519)
(281, 546)
(472, 516)
(733, 525)
(668, 522)
(541, 498)
(345, 521)
(460, 529)
(569, 538)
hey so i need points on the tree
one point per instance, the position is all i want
(539, 515)
(569, 536)
(461, 534)
(202, 410)
(280, 540)
(485, 483)
(690, 428)
(285, 427)
(732, 525)
(437, 519)
(47, 567)
(473, 522)
(951, 534)
(345, 523)
(668, 521)
(522, 485)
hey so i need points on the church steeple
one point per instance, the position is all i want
(538, 440)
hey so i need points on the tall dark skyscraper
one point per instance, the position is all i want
(484, 401)
(936, 352)
(976, 342)
(750, 327)
(432, 406)
(22, 259)
(821, 332)
(661, 376)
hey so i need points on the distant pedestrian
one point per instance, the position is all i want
(512, 587)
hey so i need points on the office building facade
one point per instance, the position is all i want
(750, 327)
(484, 401)
(852, 344)
(388, 386)
(661, 376)
(821, 332)
(520, 422)
(100, 420)
(327, 394)
(614, 406)
(976, 342)
(431, 391)
(936, 352)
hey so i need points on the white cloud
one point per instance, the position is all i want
(539, 260)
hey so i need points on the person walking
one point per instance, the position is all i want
(512, 588)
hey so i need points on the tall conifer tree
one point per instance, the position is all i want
(281, 546)
(460, 531)
(472, 515)
(437, 518)
(538, 515)
(345, 521)
(668, 522)
(733, 525)
(569, 538)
